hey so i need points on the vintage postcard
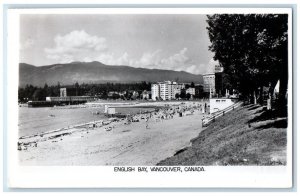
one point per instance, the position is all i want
(150, 97)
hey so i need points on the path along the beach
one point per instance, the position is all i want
(131, 144)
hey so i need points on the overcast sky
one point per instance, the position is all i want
(175, 42)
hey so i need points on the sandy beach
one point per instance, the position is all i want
(116, 142)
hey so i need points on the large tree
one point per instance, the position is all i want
(252, 48)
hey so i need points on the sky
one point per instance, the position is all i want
(172, 42)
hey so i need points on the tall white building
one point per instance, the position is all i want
(163, 90)
(155, 91)
(166, 90)
(209, 83)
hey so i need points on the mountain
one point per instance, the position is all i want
(96, 72)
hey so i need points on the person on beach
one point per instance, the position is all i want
(147, 125)
(203, 110)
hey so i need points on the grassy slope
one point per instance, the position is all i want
(246, 136)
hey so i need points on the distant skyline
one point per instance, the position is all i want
(173, 42)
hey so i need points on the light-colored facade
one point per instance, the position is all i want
(70, 98)
(63, 92)
(177, 91)
(146, 94)
(219, 104)
(209, 84)
(155, 91)
(191, 91)
(166, 90)
(163, 90)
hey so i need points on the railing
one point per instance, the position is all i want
(206, 121)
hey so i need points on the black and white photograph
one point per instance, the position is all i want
(153, 89)
(184, 91)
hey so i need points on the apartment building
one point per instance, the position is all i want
(165, 90)
(155, 91)
(209, 83)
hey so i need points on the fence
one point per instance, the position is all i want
(206, 121)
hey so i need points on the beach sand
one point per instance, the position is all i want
(131, 144)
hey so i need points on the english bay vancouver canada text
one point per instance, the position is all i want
(161, 89)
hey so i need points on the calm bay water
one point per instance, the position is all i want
(37, 120)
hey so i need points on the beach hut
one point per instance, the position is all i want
(111, 110)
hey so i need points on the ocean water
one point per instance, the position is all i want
(37, 120)
(134, 110)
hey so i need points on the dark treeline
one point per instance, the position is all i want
(100, 91)
(253, 50)
(35, 93)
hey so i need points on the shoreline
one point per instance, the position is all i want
(154, 105)
(176, 130)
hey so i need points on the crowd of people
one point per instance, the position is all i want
(158, 116)
(168, 112)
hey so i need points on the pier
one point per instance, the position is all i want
(58, 101)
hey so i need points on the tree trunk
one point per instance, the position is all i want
(269, 102)
(282, 99)
(261, 96)
(249, 98)
(271, 93)
(254, 98)
(283, 78)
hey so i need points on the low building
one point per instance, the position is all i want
(70, 99)
(146, 94)
(217, 104)
(191, 91)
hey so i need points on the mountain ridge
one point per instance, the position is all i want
(97, 72)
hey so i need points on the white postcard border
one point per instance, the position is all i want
(104, 176)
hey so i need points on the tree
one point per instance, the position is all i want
(252, 48)
(76, 85)
(177, 95)
(92, 91)
(47, 90)
(115, 96)
(104, 95)
(128, 95)
(38, 95)
(193, 85)
(56, 89)
(188, 96)
(182, 94)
